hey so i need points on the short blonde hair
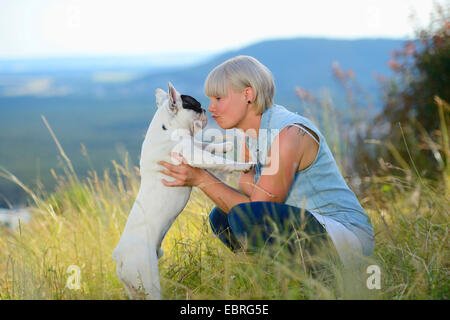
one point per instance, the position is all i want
(241, 72)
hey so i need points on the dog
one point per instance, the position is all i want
(172, 129)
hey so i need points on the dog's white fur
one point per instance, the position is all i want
(157, 206)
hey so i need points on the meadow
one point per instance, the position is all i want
(80, 223)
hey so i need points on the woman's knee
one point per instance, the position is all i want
(249, 218)
(270, 216)
(240, 217)
(218, 220)
(254, 213)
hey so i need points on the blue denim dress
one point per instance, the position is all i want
(320, 188)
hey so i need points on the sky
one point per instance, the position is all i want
(51, 28)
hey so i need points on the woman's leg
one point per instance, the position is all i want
(257, 224)
(252, 225)
(219, 224)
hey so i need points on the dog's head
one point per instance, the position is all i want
(179, 111)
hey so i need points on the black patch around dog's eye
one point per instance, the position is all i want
(191, 103)
(164, 127)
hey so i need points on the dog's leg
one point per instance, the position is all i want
(215, 147)
(136, 259)
(205, 160)
(137, 269)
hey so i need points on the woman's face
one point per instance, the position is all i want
(230, 110)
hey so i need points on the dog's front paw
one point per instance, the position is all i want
(240, 167)
(228, 146)
(219, 147)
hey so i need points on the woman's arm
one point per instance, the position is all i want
(290, 152)
(223, 195)
(246, 182)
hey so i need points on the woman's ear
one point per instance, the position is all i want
(249, 94)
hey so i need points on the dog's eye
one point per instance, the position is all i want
(164, 127)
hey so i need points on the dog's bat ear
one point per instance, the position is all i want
(161, 96)
(173, 94)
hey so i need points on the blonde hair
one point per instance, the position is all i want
(241, 72)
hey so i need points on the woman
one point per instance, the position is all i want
(295, 179)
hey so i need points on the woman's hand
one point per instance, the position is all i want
(184, 174)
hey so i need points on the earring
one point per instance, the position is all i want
(249, 102)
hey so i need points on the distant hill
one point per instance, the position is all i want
(304, 62)
(293, 62)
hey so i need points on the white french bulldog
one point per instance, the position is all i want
(172, 129)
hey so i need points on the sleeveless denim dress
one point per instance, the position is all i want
(320, 188)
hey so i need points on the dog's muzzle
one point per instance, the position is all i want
(200, 122)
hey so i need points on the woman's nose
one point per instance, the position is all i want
(211, 107)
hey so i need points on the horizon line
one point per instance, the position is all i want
(204, 53)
